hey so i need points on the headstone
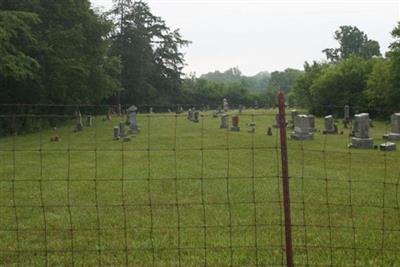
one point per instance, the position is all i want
(192, 114)
(89, 121)
(269, 131)
(225, 105)
(121, 130)
(215, 114)
(312, 123)
(252, 127)
(235, 123)
(189, 116)
(196, 116)
(55, 138)
(388, 146)
(133, 125)
(169, 110)
(179, 110)
(224, 121)
(79, 124)
(330, 127)
(293, 115)
(361, 137)
(108, 116)
(116, 133)
(346, 116)
(394, 134)
(302, 128)
(240, 109)
(119, 110)
(151, 110)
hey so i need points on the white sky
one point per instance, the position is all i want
(258, 35)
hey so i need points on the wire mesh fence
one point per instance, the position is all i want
(185, 193)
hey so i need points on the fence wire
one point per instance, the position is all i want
(181, 193)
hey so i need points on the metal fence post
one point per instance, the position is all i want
(285, 180)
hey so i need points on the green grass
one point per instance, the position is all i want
(189, 194)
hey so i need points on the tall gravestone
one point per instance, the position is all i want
(116, 133)
(151, 110)
(312, 123)
(89, 121)
(346, 116)
(394, 134)
(215, 114)
(224, 121)
(121, 129)
(235, 123)
(189, 115)
(225, 105)
(330, 127)
(302, 128)
(293, 115)
(196, 116)
(119, 110)
(133, 125)
(79, 124)
(361, 137)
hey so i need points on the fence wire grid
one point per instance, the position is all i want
(181, 193)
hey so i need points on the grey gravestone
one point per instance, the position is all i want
(346, 116)
(302, 128)
(394, 134)
(89, 121)
(133, 125)
(119, 110)
(293, 114)
(179, 109)
(388, 146)
(121, 130)
(235, 123)
(196, 116)
(361, 137)
(108, 116)
(79, 124)
(151, 110)
(330, 127)
(240, 109)
(116, 133)
(192, 114)
(189, 116)
(215, 114)
(225, 105)
(252, 127)
(224, 121)
(312, 123)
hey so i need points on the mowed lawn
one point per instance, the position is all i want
(192, 194)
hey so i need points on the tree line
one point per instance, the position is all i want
(355, 73)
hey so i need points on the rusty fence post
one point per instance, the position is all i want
(285, 180)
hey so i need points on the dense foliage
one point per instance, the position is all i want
(356, 75)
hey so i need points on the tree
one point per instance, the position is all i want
(70, 47)
(150, 53)
(352, 41)
(16, 41)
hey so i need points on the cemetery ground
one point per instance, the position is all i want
(192, 194)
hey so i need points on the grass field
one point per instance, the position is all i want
(191, 194)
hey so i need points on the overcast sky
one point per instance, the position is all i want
(258, 35)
